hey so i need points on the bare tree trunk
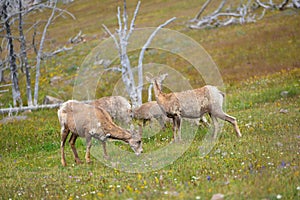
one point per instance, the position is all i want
(1, 71)
(39, 56)
(1, 67)
(24, 60)
(1, 75)
(12, 59)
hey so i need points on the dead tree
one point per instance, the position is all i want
(285, 4)
(224, 17)
(16, 10)
(12, 57)
(39, 56)
(245, 13)
(23, 55)
(123, 33)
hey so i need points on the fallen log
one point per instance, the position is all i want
(20, 109)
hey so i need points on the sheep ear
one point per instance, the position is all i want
(149, 77)
(163, 76)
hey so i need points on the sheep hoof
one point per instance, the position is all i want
(78, 161)
(89, 161)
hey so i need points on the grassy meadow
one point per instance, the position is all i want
(260, 67)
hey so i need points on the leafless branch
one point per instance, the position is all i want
(219, 17)
(281, 6)
(12, 16)
(57, 51)
(33, 38)
(77, 39)
(125, 18)
(114, 38)
(141, 56)
(133, 19)
(114, 69)
(219, 8)
(120, 23)
(201, 11)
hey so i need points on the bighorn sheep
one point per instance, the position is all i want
(84, 120)
(191, 104)
(117, 106)
(149, 111)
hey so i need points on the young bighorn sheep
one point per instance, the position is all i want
(149, 111)
(84, 120)
(191, 104)
(117, 107)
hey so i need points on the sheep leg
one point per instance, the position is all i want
(174, 129)
(178, 119)
(161, 123)
(144, 122)
(64, 135)
(88, 149)
(140, 128)
(215, 126)
(104, 151)
(231, 120)
(204, 121)
(72, 143)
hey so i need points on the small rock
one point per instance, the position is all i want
(284, 111)
(284, 93)
(218, 197)
(51, 100)
(55, 79)
(279, 144)
(27, 111)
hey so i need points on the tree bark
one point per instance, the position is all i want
(12, 59)
(39, 57)
(12, 110)
(24, 60)
(1, 71)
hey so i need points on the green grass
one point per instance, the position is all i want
(257, 62)
(263, 163)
